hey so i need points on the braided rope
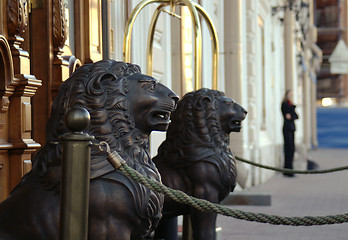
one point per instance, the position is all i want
(284, 170)
(207, 206)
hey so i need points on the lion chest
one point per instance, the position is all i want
(209, 178)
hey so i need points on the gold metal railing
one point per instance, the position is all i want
(195, 9)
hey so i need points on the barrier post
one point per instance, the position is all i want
(75, 176)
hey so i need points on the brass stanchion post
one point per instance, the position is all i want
(75, 176)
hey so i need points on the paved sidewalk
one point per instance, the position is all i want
(303, 195)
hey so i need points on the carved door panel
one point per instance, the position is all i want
(29, 53)
(52, 58)
(6, 76)
(93, 33)
(17, 86)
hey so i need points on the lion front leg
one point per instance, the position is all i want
(203, 225)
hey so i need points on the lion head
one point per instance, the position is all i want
(200, 129)
(125, 106)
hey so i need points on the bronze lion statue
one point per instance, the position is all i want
(125, 106)
(196, 158)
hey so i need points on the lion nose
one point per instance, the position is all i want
(173, 96)
(244, 112)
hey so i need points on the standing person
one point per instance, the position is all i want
(289, 114)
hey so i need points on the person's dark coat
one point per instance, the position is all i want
(289, 124)
(289, 134)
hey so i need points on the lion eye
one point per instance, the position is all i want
(150, 86)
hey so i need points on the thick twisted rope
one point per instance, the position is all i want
(207, 206)
(284, 170)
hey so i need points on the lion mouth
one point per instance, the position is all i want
(236, 122)
(162, 116)
(163, 111)
(160, 120)
(236, 125)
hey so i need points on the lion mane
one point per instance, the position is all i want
(195, 135)
(102, 89)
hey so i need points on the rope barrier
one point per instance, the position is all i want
(284, 170)
(207, 206)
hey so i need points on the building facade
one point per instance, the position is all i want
(265, 47)
(331, 20)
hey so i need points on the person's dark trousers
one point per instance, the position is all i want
(289, 148)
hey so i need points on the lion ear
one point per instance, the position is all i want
(215, 104)
(97, 85)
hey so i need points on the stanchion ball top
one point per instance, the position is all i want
(77, 119)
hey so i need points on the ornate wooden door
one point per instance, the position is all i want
(33, 46)
(17, 86)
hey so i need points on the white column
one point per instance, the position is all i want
(251, 79)
(289, 20)
(233, 49)
(307, 108)
(313, 89)
(314, 114)
(235, 85)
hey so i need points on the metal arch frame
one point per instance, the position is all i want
(193, 7)
(215, 44)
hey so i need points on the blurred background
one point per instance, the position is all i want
(332, 82)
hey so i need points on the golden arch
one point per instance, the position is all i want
(193, 7)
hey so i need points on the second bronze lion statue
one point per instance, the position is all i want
(125, 106)
(196, 158)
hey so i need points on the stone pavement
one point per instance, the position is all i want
(303, 195)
